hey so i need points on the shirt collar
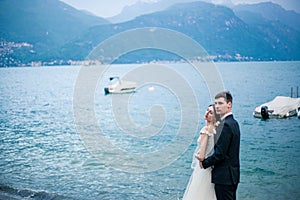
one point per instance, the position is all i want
(227, 114)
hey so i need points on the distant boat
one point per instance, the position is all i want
(118, 86)
(280, 107)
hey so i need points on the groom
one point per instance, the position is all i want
(225, 160)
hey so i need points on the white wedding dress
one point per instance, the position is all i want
(200, 186)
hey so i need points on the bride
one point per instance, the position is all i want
(200, 186)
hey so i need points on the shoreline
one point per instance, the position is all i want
(84, 64)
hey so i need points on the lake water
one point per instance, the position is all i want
(45, 154)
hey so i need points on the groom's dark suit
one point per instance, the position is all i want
(225, 160)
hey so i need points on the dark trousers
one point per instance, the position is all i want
(225, 192)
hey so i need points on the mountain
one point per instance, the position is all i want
(143, 7)
(51, 32)
(278, 27)
(268, 11)
(224, 34)
(36, 28)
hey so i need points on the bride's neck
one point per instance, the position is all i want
(209, 123)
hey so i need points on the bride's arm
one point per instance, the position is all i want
(203, 143)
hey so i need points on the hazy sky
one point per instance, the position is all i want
(108, 8)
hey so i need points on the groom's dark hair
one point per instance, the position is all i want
(226, 95)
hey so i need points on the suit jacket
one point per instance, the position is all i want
(225, 160)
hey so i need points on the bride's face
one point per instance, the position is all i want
(209, 114)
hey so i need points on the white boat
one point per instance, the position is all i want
(118, 86)
(280, 107)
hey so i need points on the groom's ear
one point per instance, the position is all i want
(229, 104)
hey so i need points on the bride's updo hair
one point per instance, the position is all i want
(217, 117)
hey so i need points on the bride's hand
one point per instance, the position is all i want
(200, 165)
(198, 156)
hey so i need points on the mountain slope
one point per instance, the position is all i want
(222, 33)
(278, 27)
(271, 12)
(41, 24)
